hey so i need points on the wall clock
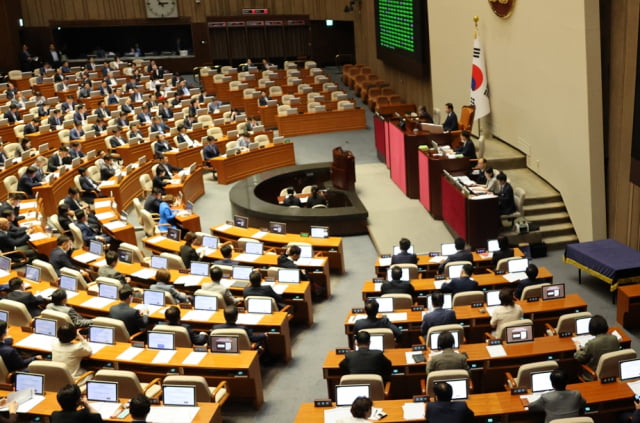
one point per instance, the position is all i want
(502, 8)
(161, 8)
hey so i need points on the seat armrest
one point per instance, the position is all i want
(156, 381)
(588, 370)
(488, 335)
(387, 389)
(423, 386)
(511, 382)
(422, 340)
(550, 330)
(135, 335)
(82, 379)
(220, 393)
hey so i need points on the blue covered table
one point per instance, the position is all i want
(607, 260)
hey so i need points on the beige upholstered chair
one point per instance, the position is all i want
(566, 323)
(400, 301)
(121, 332)
(388, 340)
(204, 393)
(18, 313)
(441, 328)
(607, 365)
(444, 375)
(453, 263)
(468, 298)
(533, 291)
(182, 338)
(128, 383)
(243, 339)
(174, 261)
(56, 374)
(378, 390)
(47, 272)
(523, 378)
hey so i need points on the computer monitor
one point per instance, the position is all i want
(346, 394)
(629, 369)
(152, 297)
(493, 298)
(96, 247)
(433, 340)
(43, 148)
(460, 388)
(492, 245)
(255, 248)
(102, 334)
(106, 290)
(205, 302)
(385, 304)
(102, 391)
(32, 273)
(43, 326)
(4, 316)
(553, 292)
(224, 343)
(278, 228)
(179, 395)
(161, 340)
(199, 268)
(447, 301)
(30, 381)
(319, 232)
(541, 381)
(396, 250)
(241, 272)
(173, 233)
(259, 305)
(158, 262)
(288, 275)
(516, 334)
(448, 249)
(306, 251)
(210, 242)
(455, 270)
(241, 221)
(405, 274)
(582, 326)
(125, 256)
(68, 283)
(5, 264)
(518, 265)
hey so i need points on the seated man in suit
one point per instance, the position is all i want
(109, 269)
(532, 279)
(12, 115)
(365, 360)
(467, 148)
(61, 255)
(263, 99)
(288, 259)
(162, 145)
(57, 159)
(89, 233)
(164, 110)
(184, 137)
(506, 202)
(504, 252)
(372, 321)
(32, 127)
(291, 199)
(172, 314)
(317, 197)
(463, 283)
(107, 169)
(438, 315)
(3, 155)
(559, 403)
(163, 163)
(133, 319)
(76, 132)
(477, 172)
(139, 408)
(17, 293)
(256, 289)
(445, 410)
(81, 114)
(14, 237)
(230, 318)
(117, 139)
(27, 181)
(144, 117)
(10, 356)
(211, 149)
(90, 190)
(227, 251)
(451, 121)
(152, 202)
(404, 256)
(460, 255)
(59, 303)
(163, 284)
(159, 126)
(448, 359)
(396, 286)
(215, 273)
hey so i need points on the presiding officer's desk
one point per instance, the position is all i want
(330, 247)
(239, 166)
(487, 372)
(605, 400)
(476, 319)
(241, 370)
(209, 412)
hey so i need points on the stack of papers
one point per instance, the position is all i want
(496, 351)
(86, 257)
(37, 236)
(582, 339)
(105, 215)
(247, 257)
(437, 259)
(356, 317)
(413, 410)
(97, 302)
(144, 273)
(106, 409)
(194, 358)
(513, 277)
(36, 341)
(249, 318)
(156, 239)
(188, 280)
(198, 315)
(170, 414)
(223, 227)
(395, 317)
(114, 225)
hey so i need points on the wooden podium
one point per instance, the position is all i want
(343, 169)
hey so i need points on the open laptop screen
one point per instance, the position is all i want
(205, 302)
(447, 303)
(68, 283)
(241, 272)
(629, 369)
(518, 265)
(493, 297)
(96, 247)
(553, 292)
(106, 290)
(254, 248)
(396, 250)
(306, 251)
(32, 273)
(173, 233)
(346, 394)
(102, 391)
(241, 221)
(319, 232)
(385, 304)
(259, 305)
(151, 297)
(455, 270)
(289, 275)
(460, 388)
(43, 326)
(102, 334)
(5, 264)
(158, 262)
(182, 395)
(30, 380)
(433, 340)
(199, 268)
(377, 342)
(448, 249)
(4, 316)
(125, 256)
(492, 245)
(405, 274)
(278, 227)
(517, 334)
(210, 242)
(161, 340)
(582, 326)
(224, 343)
(541, 381)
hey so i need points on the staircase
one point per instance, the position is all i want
(551, 215)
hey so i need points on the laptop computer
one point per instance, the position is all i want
(153, 298)
(96, 247)
(319, 232)
(346, 394)
(433, 340)
(405, 274)
(224, 343)
(30, 381)
(553, 292)
(125, 256)
(199, 268)
(241, 221)
(109, 291)
(102, 391)
(492, 298)
(377, 342)
(173, 233)
(385, 304)
(210, 242)
(517, 334)
(179, 395)
(448, 249)
(161, 340)
(240, 274)
(447, 303)
(460, 388)
(629, 369)
(518, 266)
(68, 283)
(288, 275)
(158, 262)
(42, 326)
(255, 248)
(5, 266)
(205, 302)
(455, 270)
(306, 251)
(4, 316)
(278, 227)
(259, 305)
(492, 245)
(396, 250)
(102, 334)
(541, 382)
(582, 326)
(32, 273)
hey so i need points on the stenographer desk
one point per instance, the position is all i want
(487, 372)
(430, 167)
(240, 166)
(241, 370)
(331, 247)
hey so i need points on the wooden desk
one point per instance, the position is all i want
(330, 247)
(241, 371)
(192, 187)
(430, 167)
(273, 156)
(131, 153)
(317, 123)
(129, 186)
(39, 138)
(186, 157)
(628, 306)
(109, 219)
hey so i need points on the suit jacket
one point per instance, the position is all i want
(102, 113)
(88, 184)
(59, 259)
(26, 184)
(451, 122)
(447, 360)
(404, 257)
(366, 361)
(55, 121)
(88, 234)
(12, 359)
(30, 128)
(467, 149)
(292, 200)
(161, 147)
(115, 141)
(106, 172)
(130, 316)
(75, 134)
(398, 287)
(12, 117)
(559, 405)
(188, 254)
(165, 113)
(449, 412)
(54, 163)
(9, 241)
(506, 203)
(436, 317)
(462, 284)
(152, 204)
(522, 285)
(160, 182)
(263, 291)
(76, 416)
(593, 350)
(220, 289)
(177, 295)
(376, 323)
(28, 299)
(160, 127)
(144, 118)
(77, 320)
(285, 261)
(210, 151)
(461, 255)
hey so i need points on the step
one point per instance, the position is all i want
(557, 229)
(548, 199)
(549, 218)
(542, 208)
(560, 241)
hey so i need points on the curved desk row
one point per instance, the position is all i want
(240, 166)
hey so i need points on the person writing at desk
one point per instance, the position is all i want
(506, 203)
(27, 181)
(451, 121)
(360, 411)
(161, 179)
(467, 148)
(602, 343)
(288, 259)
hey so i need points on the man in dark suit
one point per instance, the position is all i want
(76, 132)
(448, 359)
(10, 356)
(211, 149)
(532, 279)
(80, 114)
(90, 190)
(230, 318)
(117, 139)
(85, 91)
(365, 360)
(256, 289)
(32, 127)
(61, 255)
(57, 159)
(372, 321)
(17, 293)
(12, 115)
(438, 315)
(460, 255)
(445, 410)
(102, 111)
(152, 202)
(503, 252)
(396, 286)
(162, 145)
(463, 283)
(106, 169)
(13, 237)
(163, 162)
(164, 110)
(291, 199)
(404, 256)
(227, 251)
(53, 56)
(467, 148)
(559, 403)
(159, 126)
(506, 203)
(133, 319)
(55, 119)
(27, 181)
(288, 259)
(3, 155)
(139, 407)
(451, 121)
(89, 233)
(144, 117)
